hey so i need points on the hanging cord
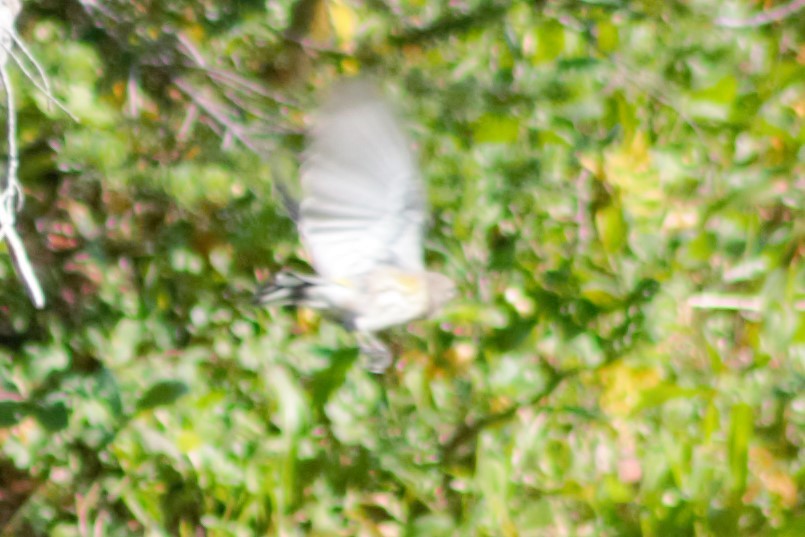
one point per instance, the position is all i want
(11, 195)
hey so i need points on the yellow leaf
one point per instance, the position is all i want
(189, 441)
(344, 21)
(350, 66)
(630, 159)
(196, 33)
(321, 26)
(774, 479)
(630, 168)
(592, 163)
(624, 386)
(611, 227)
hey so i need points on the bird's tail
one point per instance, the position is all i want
(286, 288)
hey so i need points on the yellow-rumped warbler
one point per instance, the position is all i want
(361, 219)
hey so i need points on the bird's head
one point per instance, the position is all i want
(441, 290)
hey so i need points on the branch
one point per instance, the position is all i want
(761, 19)
(218, 112)
(244, 85)
(470, 428)
(622, 341)
(451, 23)
(223, 117)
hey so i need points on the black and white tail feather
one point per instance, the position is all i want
(287, 288)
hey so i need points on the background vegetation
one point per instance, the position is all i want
(618, 187)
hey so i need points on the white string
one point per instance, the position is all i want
(11, 196)
(42, 83)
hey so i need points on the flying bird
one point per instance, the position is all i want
(362, 221)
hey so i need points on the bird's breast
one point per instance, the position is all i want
(391, 297)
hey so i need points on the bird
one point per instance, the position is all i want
(361, 219)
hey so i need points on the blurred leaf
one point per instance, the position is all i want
(162, 393)
(775, 479)
(601, 292)
(53, 417)
(433, 524)
(791, 528)
(659, 395)
(124, 341)
(713, 102)
(607, 35)
(496, 129)
(740, 433)
(550, 38)
(293, 407)
(11, 412)
(85, 149)
(577, 63)
(109, 391)
(344, 20)
(624, 387)
(328, 380)
(611, 227)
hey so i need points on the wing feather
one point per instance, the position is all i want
(363, 202)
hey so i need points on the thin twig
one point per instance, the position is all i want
(90, 5)
(43, 84)
(187, 124)
(732, 302)
(470, 429)
(254, 110)
(132, 95)
(237, 131)
(761, 19)
(192, 51)
(245, 85)
(442, 27)
(233, 80)
(216, 111)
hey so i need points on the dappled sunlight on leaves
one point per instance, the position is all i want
(616, 188)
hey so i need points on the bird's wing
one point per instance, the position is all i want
(363, 203)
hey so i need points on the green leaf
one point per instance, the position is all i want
(436, 525)
(495, 129)
(665, 392)
(714, 102)
(607, 35)
(294, 409)
(740, 433)
(11, 412)
(582, 63)
(53, 417)
(550, 39)
(329, 380)
(611, 228)
(162, 393)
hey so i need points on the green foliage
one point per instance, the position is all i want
(617, 188)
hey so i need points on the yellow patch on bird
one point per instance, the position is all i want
(344, 282)
(409, 282)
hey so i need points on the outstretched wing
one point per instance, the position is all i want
(363, 203)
